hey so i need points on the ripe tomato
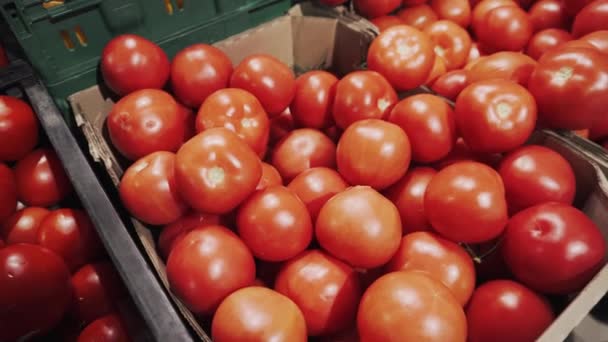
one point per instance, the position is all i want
(462, 152)
(402, 54)
(301, 150)
(450, 84)
(545, 40)
(506, 311)
(438, 258)
(280, 126)
(268, 79)
(41, 179)
(553, 248)
(570, 87)
(258, 314)
(593, 17)
(452, 42)
(495, 116)
(429, 124)
(482, 8)
(574, 6)
(238, 111)
(274, 224)
(406, 302)
(314, 98)
(359, 226)
(546, 14)
(507, 65)
(130, 62)
(23, 226)
(149, 191)
(438, 70)
(376, 8)
(18, 129)
(216, 170)
(146, 121)
(418, 16)
(384, 22)
(316, 186)
(197, 72)
(465, 202)
(108, 328)
(599, 39)
(270, 177)
(510, 23)
(175, 232)
(8, 195)
(324, 288)
(474, 55)
(534, 175)
(362, 95)
(373, 152)
(457, 11)
(34, 290)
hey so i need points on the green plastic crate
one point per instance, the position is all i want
(64, 39)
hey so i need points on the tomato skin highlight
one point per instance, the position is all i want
(18, 129)
(418, 16)
(313, 102)
(23, 226)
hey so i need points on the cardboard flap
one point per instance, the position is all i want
(313, 43)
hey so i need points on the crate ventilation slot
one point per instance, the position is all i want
(69, 43)
(52, 3)
(170, 7)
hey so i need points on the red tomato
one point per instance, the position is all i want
(175, 232)
(8, 195)
(18, 129)
(574, 6)
(438, 70)
(570, 85)
(457, 11)
(34, 290)
(553, 248)
(316, 186)
(146, 121)
(545, 40)
(301, 150)
(275, 224)
(373, 152)
(206, 258)
(599, 39)
(23, 226)
(450, 84)
(510, 23)
(534, 175)
(495, 116)
(41, 179)
(216, 170)
(376, 8)
(197, 72)
(359, 226)
(507, 65)
(438, 258)
(149, 191)
(97, 290)
(462, 152)
(482, 8)
(258, 314)
(593, 17)
(474, 55)
(270, 177)
(399, 306)
(324, 288)
(314, 99)
(130, 62)
(505, 311)
(465, 202)
(418, 16)
(546, 14)
(429, 124)
(452, 42)
(280, 126)
(413, 2)
(238, 111)
(108, 328)
(268, 79)
(362, 95)
(187, 115)
(384, 22)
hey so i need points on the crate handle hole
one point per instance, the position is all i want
(52, 3)
(67, 40)
(82, 38)
(169, 7)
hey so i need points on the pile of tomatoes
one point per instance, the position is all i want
(324, 205)
(55, 280)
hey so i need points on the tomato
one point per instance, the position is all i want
(413, 2)
(599, 39)
(402, 54)
(544, 40)
(438, 258)
(376, 8)
(314, 98)
(8, 195)
(362, 95)
(240, 112)
(534, 175)
(591, 18)
(510, 23)
(457, 11)
(41, 179)
(553, 248)
(474, 55)
(268, 79)
(216, 170)
(574, 6)
(149, 191)
(373, 152)
(418, 16)
(130, 63)
(301, 150)
(175, 232)
(23, 226)
(482, 8)
(280, 126)
(506, 311)
(97, 290)
(384, 22)
(270, 177)
(108, 328)
(410, 306)
(452, 42)
(316, 186)
(197, 72)
(450, 84)
(545, 14)
(34, 290)
(439, 69)
(359, 226)
(258, 314)
(507, 65)
(429, 123)
(18, 129)
(570, 85)
(495, 116)
(324, 288)
(146, 121)
(462, 152)
(583, 133)
(465, 202)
